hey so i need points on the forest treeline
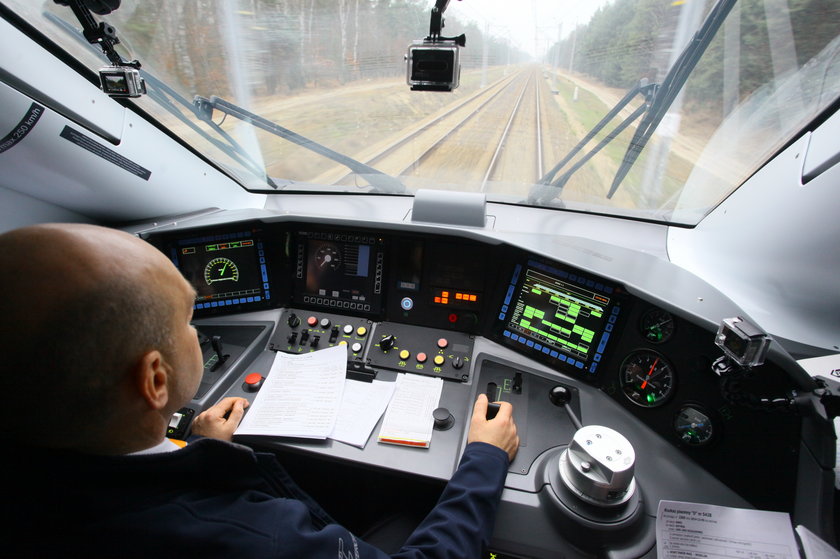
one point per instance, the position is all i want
(277, 46)
(632, 39)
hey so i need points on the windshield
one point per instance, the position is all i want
(535, 78)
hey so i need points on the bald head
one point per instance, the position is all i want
(80, 304)
(56, 264)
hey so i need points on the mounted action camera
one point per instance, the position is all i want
(742, 342)
(122, 81)
(433, 67)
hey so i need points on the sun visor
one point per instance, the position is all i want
(39, 75)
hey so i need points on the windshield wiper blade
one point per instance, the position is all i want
(546, 189)
(671, 87)
(380, 181)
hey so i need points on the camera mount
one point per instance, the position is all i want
(122, 78)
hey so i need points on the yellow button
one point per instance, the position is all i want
(439, 360)
(361, 331)
(405, 354)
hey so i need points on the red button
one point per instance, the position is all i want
(421, 357)
(253, 378)
(312, 321)
(442, 343)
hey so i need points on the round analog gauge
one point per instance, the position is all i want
(657, 326)
(647, 378)
(220, 269)
(328, 257)
(693, 426)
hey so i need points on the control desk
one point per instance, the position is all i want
(573, 348)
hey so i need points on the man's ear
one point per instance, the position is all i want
(151, 377)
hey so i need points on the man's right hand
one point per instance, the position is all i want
(499, 431)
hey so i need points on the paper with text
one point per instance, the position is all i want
(300, 396)
(362, 404)
(693, 530)
(408, 419)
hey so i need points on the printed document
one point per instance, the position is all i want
(362, 404)
(300, 396)
(408, 419)
(692, 530)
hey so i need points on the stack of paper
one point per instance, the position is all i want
(362, 405)
(307, 396)
(300, 396)
(408, 419)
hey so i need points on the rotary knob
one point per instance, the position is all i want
(598, 466)
(443, 419)
(387, 342)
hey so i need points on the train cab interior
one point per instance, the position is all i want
(613, 214)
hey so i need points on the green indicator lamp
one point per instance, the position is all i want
(651, 398)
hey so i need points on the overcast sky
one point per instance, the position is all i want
(533, 24)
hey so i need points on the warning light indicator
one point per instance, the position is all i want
(455, 297)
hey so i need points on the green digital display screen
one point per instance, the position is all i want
(563, 315)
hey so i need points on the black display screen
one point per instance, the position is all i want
(227, 270)
(340, 271)
(564, 316)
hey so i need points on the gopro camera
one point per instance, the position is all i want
(433, 66)
(742, 342)
(122, 81)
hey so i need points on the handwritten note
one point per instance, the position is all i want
(300, 396)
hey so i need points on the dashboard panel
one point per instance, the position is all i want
(491, 317)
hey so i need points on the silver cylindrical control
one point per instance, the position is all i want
(598, 466)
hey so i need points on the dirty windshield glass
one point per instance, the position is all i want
(525, 124)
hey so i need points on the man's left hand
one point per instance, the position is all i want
(220, 420)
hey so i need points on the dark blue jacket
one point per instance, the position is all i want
(216, 499)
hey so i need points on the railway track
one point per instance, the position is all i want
(452, 147)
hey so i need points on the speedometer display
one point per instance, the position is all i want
(220, 269)
(647, 379)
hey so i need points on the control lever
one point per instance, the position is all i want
(517, 383)
(216, 343)
(561, 396)
(492, 406)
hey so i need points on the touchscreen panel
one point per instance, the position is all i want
(341, 271)
(564, 317)
(228, 271)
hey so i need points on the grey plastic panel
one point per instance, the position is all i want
(780, 265)
(54, 84)
(449, 207)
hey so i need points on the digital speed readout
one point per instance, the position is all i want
(225, 270)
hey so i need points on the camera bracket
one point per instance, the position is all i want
(437, 24)
(122, 78)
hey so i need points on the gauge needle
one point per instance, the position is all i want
(650, 372)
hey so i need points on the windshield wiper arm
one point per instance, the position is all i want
(380, 181)
(671, 87)
(164, 95)
(546, 189)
